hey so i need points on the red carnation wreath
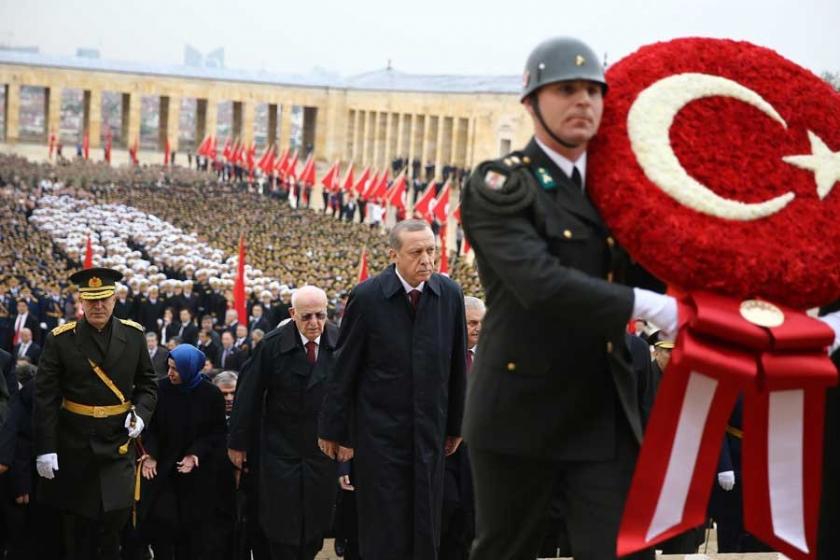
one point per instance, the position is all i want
(716, 166)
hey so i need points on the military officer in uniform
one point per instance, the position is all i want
(552, 400)
(94, 392)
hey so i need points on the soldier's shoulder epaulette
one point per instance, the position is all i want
(501, 186)
(69, 326)
(134, 324)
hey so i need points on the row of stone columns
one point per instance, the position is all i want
(375, 138)
(169, 118)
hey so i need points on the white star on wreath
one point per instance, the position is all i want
(823, 162)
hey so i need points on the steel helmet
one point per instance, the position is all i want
(561, 59)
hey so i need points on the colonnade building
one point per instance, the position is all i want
(369, 119)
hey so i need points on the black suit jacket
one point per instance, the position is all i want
(234, 361)
(31, 323)
(553, 370)
(188, 333)
(33, 352)
(160, 362)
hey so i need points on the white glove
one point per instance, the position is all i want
(726, 480)
(47, 464)
(659, 309)
(138, 425)
(833, 321)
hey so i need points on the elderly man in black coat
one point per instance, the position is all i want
(287, 376)
(396, 396)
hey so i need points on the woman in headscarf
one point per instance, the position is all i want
(185, 452)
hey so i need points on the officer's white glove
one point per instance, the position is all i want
(659, 309)
(47, 464)
(833, 321)
(726, 480)
(138, 425)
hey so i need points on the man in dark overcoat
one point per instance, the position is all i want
(95, 390)
(396, 396)
(286, 378)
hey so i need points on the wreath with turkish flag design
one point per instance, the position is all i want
(716, 166)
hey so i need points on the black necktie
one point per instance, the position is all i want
(576, 178)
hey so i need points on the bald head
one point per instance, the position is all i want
(309, 295)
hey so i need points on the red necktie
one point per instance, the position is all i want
(18, 327)
(469, 360)
(414, 298)
(310, 352)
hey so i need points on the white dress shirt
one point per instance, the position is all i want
(317, 342)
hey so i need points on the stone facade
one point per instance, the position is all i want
(365, 126)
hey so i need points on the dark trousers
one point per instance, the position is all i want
(306, 551)
(347, 525)
(456, 532)
(100, 539)
(513, 493)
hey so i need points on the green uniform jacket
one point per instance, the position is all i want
(552, 373)
(92, 475)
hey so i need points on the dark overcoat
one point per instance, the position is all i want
(396, 393)
(297, 483)
(92, 475)
(185, 423)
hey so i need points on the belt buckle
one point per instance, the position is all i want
(99, 412)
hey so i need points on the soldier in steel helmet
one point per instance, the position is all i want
(553, 403)
(95, 390)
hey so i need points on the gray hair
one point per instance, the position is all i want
(394, 240)
(471, 302)
(226, 377)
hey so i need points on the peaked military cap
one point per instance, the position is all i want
(96, 283)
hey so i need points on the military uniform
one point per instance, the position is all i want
(552, 390)
(82, 419)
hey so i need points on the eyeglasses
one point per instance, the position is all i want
(306, 317)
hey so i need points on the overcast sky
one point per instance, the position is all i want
(430, 36)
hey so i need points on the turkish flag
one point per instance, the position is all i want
(282, 162)
(347, 184)
(166, 152)
(307, 176)
(108, 142)
(441, 209)
(422, 206)
(88, 253)
(396, 197)
(363, 267)
(443, 262)
(291, 166)
(329, 180)
(252, 151)
(361, 182)
(239, 302)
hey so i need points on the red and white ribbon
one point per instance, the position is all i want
(783, 373)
